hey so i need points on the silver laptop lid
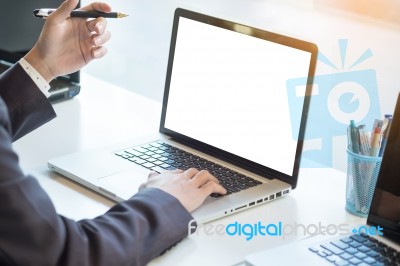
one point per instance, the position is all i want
(226, 93)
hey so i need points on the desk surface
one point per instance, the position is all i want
(104, 114)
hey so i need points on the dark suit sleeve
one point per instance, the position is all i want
(27, 106)
(131, 233)
(32, 233)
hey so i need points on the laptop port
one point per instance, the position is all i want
(241, 207)
(279, 194)
(252, 203)
(271, 197)
(266, 199)
(259, 201)
(286, 191)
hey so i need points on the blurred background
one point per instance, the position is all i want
(138, 51)
(358, 40)
(357, 72)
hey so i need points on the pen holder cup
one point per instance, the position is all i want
(362, 173)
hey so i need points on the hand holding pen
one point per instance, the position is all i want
(66, 45)
(45, 12)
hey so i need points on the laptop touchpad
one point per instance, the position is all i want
(124, 184)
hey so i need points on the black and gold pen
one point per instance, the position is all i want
(45, 12)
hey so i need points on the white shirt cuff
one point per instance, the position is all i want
(40, 82)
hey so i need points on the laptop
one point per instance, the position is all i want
(355, 249)
(225, 109)
(21, 34)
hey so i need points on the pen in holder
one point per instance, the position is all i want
(362, 173)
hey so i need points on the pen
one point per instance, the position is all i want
(363, 138)
(45, 12)
(377, 123)
(353, 147)
(354, 137)
(385, 135)
(375, 142)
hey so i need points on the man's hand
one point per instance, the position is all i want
(190, 187)
(67, 44)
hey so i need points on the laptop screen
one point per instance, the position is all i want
(226, 88)
(385, 206)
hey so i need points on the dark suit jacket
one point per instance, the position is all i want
(32, 233)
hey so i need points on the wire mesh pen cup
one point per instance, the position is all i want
(362, 173)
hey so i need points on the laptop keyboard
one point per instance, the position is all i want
(357, 250)
(159, 156)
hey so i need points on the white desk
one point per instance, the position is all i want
(103, 114)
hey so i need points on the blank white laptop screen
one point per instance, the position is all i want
(228, 90)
